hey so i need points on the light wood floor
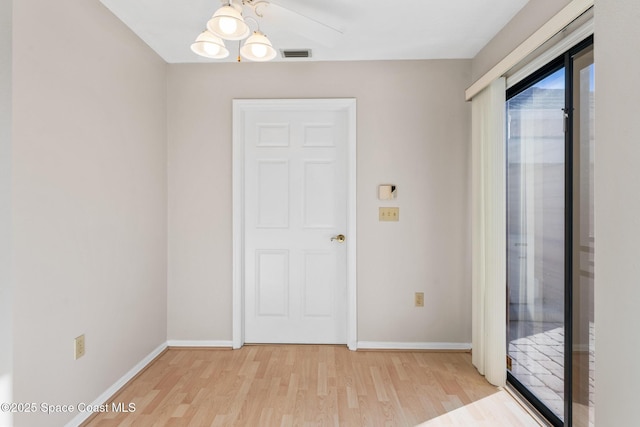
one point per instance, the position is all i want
(312, 386)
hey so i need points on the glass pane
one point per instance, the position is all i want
(583, 355)
(535, 239)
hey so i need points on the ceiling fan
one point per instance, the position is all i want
(231, 22)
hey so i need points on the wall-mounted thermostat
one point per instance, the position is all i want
(387, 192)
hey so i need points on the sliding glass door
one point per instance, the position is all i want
(550, 238)
(536, 241)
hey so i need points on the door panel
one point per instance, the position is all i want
(319, 272)
(272, 134)
(295, 200)
(535, 224)
(272, 283)
(273, 194)
(318, 194)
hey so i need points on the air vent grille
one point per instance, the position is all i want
(296, 53)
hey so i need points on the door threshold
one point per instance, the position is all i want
(524, 403)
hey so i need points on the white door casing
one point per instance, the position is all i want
(293, 190)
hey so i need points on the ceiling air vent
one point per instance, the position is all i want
(296, 53)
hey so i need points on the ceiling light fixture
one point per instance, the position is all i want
(209, 46)
(258, 48)
(228, 23)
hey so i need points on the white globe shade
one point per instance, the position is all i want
(209, 46)
(228, 24)
(258, 48)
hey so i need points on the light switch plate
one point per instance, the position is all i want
(389, 214)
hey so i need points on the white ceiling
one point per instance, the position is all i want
(334, 29)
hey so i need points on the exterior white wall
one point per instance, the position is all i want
(413, 131)
(531, 17)
(6, 283)
(617, 212)
(89, 202)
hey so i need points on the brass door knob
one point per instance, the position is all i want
(339, 238)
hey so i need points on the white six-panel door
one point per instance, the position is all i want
(295, 202)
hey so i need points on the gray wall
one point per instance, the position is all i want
(413, 131)
(531, 17)
(89, 202)
(6, 283)
(617, 212)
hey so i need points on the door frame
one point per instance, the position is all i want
(240, 106)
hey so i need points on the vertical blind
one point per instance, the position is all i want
(488, 232)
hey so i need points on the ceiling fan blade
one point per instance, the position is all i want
(305, 26)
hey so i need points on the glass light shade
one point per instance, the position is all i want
(258, 48)
(227, 23)
(209, 46)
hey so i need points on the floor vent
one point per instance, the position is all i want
(296, 53)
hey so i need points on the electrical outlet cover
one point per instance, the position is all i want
(79, 347)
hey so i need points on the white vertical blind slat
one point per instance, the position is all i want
(489, 232)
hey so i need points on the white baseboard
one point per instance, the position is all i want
(441, 346)
(104, 397)
(199, 343)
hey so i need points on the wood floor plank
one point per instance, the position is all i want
(311, 385)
